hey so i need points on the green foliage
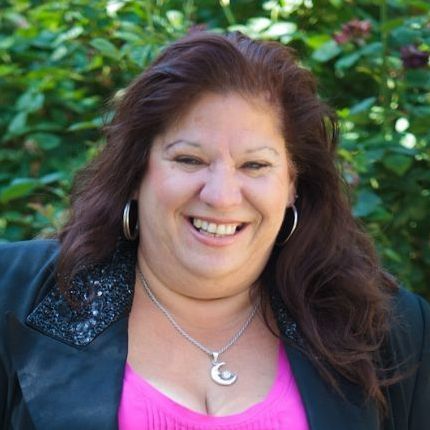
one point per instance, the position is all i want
(61, 61)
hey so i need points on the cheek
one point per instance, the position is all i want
(167, 187)
(271, 197)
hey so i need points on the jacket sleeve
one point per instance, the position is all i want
(3, 393)
(409, 353)
(419, 417)
(24, 268)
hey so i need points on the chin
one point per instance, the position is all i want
(213, 270)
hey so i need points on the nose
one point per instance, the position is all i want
(222, 188)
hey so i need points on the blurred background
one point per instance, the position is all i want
(62, 61)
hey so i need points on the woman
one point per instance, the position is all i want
(211, 274)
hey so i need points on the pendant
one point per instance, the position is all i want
(224, 377)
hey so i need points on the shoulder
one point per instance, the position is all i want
(25, 259)
(411, 320)
(409, 335)
(409, 302)
(408, 351)
(32, 250)
(26, 268)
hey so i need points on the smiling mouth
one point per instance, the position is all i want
(215, 230)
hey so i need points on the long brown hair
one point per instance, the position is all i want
(327, 274)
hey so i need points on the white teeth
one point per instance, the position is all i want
(221, 229)
(230, 229)
(212, 228)
(215, 229)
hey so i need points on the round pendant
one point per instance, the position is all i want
(221, 377)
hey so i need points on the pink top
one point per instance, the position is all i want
(144, 407)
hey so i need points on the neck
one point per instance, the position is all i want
(199, 314)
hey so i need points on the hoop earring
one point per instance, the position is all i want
(130, 208)
(295, 222)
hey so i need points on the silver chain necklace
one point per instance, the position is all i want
(224, 377)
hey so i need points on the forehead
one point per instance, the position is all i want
(228, 116)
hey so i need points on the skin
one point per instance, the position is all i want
(225, 161)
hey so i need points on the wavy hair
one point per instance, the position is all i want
(327, 274)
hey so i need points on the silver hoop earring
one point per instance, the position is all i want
(293, 228)
(130, 209)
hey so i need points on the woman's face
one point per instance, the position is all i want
(215, 192)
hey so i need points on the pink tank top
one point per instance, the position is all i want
(144, 407)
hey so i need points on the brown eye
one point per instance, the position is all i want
(189, 161)
(255, 165)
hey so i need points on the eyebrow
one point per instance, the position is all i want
(261, 148)
(187, 142)
(198, 145)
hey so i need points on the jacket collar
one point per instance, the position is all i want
(103, 292)
(72, 359)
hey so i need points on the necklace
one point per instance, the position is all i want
(225, 377)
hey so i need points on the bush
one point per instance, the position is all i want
(62, 60)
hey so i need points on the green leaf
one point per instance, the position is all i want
(419, 4)
(316, 41)
(52, 177)
(362, 106)
(392, 255)
(176, 18)
(392, 24)
(139, 55)
(8, 69)
(30, 101)
(347, 61)
(85, 125)
(259, 24)
(326, 52)
(18, 124)
(371, 49)
(113, 6)
(397, 163)
(128, 36)
(46, 141)
(373, 155)
(367, 203)
(279, 29)
(20, 187)
(73, 33)
(59, 53)
(106, 48)
(405, 36)
(7, 42)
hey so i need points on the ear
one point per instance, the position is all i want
(135, 194)
(292, 194)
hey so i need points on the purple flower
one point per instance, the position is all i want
(341, 38)
(354, 30)
(413, 58)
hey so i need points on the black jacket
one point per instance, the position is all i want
(61, 368)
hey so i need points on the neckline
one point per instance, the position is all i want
(278, 391)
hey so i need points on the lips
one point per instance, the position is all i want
(215, 229)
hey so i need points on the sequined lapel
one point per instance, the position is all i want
(104, 293)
